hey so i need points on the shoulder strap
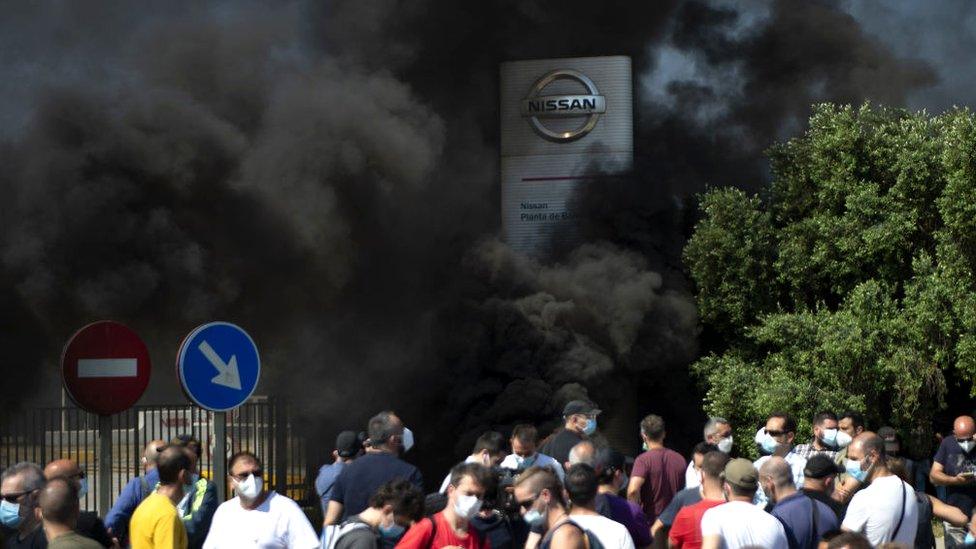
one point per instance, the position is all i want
(902, 516)
(815, 534)
(433, 532)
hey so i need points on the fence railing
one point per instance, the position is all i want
(261, 425)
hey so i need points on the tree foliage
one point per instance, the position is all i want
(849, 282)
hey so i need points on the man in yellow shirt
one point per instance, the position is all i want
(156, 524)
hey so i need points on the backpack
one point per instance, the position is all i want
(332, 533)
(590, 541)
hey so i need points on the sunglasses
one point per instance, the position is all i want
(527, 504)
(12, 498)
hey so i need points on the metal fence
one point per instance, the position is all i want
(261, 426)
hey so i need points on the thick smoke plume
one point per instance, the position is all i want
(325, 175)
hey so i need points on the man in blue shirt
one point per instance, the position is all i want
(361, 478)
(804, 519)
(347, 448)
(117, 519)
(954, 466)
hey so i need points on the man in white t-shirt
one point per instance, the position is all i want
(581, 485)
(525, 441)
(257, 517)
(717, 431)
(739, 523)
(886, 510)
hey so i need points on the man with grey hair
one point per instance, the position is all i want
(804, 519)
(359, 480)
(717, 431)
(19, 488)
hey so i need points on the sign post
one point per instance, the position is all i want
(218, 367)
(105, 369)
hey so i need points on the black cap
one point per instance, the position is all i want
(821, 466)
(348, 444)
(584, 407)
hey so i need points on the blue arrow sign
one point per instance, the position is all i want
(219, 366)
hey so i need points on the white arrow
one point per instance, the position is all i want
(227, 374)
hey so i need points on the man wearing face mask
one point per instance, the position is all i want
(257, 517)
(524, 441)
(540, 498)
(18, 498)
(489, 450)
(778, 440)
(852, 424)
(452, 526)
(199, 501)
(613, 480)
(827, 438)
(659, 473)
(359, 480)
(685, 531)
(156, 522)
(392, 509)
(954, 466)
(717, 431)
(886, 510)
(580, 424)
(805, 520)
(136, 490)
(87, 524)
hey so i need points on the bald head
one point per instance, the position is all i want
(777, 470)
(583, 452)
(61, 468)
(58, 503)
(964, 427)
(150, 456)
(866, 444)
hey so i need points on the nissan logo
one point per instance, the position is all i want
(537, 107)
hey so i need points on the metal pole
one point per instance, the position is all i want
(104, 464)
(220, 455)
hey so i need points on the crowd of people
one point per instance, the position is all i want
(846, 488)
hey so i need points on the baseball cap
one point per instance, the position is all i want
(740, 472)
(584, 407)
(890, 437)
(820, 466)
(348, 444)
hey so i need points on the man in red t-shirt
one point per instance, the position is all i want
(451, 527)
(659, 473)
(686, 530)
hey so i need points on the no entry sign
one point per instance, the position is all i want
(105, 367)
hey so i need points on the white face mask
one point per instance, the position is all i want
(466, 506)
(725, 445)
(967, 445)
(248, 488)
(407, 439)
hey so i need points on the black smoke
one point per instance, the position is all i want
(326, 175)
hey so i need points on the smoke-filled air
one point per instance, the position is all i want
(326, 175)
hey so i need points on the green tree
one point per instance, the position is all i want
(848, 283)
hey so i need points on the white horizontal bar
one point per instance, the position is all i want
(107, 367)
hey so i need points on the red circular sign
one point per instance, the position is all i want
(105, 367)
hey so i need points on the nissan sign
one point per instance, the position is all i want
(588, 107)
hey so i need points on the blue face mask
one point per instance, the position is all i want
(532, 518)
(9, 514)
(769, 444)
(853, 468)
(590, 426)
(970, 539)
(393, 531)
